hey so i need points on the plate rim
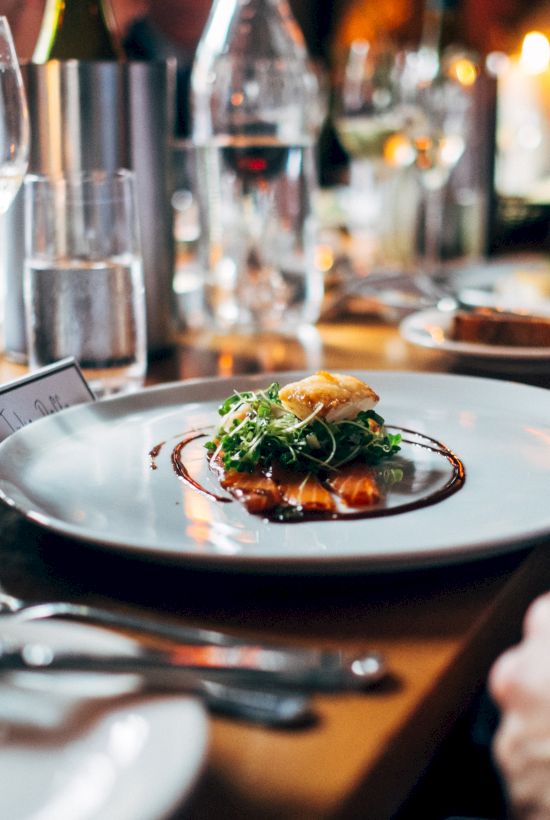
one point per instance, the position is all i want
(478, 277)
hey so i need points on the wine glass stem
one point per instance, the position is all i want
(433, 229)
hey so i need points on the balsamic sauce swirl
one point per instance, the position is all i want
(292, 515)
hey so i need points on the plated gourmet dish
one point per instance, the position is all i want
(316, 449)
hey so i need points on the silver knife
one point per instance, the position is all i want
(247, 665)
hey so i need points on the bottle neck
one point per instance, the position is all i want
(78, 29)
(441, 25)
(443, 42)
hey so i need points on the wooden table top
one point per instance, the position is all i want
(440, 629)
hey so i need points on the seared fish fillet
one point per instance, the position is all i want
(338, 396)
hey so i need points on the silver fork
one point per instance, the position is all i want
(29, 611)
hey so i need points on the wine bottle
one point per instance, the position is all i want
(78, 29)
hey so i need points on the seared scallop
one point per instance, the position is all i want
(334, 396)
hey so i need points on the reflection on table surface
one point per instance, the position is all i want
(355, 343)
(439, 629)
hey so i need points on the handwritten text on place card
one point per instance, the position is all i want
(40, 394)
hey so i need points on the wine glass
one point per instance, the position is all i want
(14, 132)
(368, 116)
(408, 120)
(435, 109)
(366, 102)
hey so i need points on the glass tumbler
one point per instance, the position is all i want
(83, 283)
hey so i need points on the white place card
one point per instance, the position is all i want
(42, 393)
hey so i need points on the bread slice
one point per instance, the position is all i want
(494, 327)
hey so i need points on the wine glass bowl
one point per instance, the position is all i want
(386, 103)
(14, 138)
(365, 108)
(435, 113)
(14, 121)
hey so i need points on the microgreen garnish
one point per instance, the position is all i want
(257, 431)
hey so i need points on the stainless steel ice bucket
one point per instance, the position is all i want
(102, 115)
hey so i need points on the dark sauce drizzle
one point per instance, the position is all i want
(182, 472)
(293, 515)
(153, 454)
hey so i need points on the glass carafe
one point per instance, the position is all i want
(256, 114)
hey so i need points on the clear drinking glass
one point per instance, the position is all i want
(83, 286)
(14, 132)
(188, 277)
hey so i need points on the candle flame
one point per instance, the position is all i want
(535, 53)
(464, 70)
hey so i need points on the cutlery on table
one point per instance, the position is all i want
(244, 693)
(212, 651)
(32, 708)
(44, 610)
(248, 665)
(257, 705)
(281, 708)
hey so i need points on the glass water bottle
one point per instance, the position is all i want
(256, 115)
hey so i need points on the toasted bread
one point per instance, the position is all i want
(494, 327)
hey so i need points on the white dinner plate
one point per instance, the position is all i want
(86, 472)
(431, 329)
(91, 747)
(521, 283)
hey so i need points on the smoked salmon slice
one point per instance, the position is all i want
(256, 491)
(303, 490)
(356, 485)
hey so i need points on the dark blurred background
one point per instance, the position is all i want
(328, 25)
(171, 28)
